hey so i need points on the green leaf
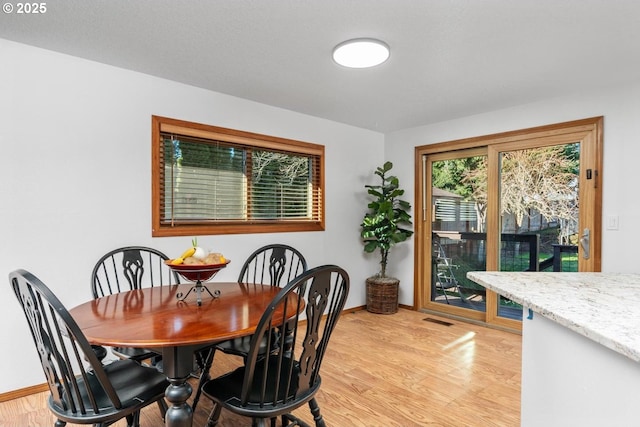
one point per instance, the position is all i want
(370, 246)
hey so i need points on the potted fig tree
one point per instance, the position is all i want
(383, 226)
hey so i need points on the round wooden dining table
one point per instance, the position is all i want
(162, 318)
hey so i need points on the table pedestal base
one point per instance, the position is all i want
(177, 363)
(179, 413)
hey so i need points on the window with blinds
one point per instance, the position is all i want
(211, 180)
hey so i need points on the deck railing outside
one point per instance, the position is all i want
(518, 252)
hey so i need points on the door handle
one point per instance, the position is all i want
(585, 243)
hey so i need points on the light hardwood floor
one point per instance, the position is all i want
(383, 370)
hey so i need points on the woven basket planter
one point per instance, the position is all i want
(382, 295)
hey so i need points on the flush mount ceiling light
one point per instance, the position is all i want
(361, 53)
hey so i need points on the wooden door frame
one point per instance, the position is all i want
(586, 131)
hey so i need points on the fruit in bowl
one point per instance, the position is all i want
(197, 265)
(209, 259)
(195, 255)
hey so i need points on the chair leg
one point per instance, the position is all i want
(133, 420)
(205, 366)
(214, 416)
(162, 406)
(291, 420)
(315, 411)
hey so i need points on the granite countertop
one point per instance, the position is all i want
(604, 307)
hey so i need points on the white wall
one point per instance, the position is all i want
(75, 179)
(620, 108)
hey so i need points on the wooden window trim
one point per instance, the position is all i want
(184, 128)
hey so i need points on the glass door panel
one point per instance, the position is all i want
(539, 212)
(458, 189)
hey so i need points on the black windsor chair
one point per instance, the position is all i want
(129, 268)
(82, 390)
(280, 376)
(273, 264)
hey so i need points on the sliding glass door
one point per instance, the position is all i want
(522, 201)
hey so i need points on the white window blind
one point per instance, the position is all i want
(207, 180)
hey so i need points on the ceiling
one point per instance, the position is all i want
(449, 58)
